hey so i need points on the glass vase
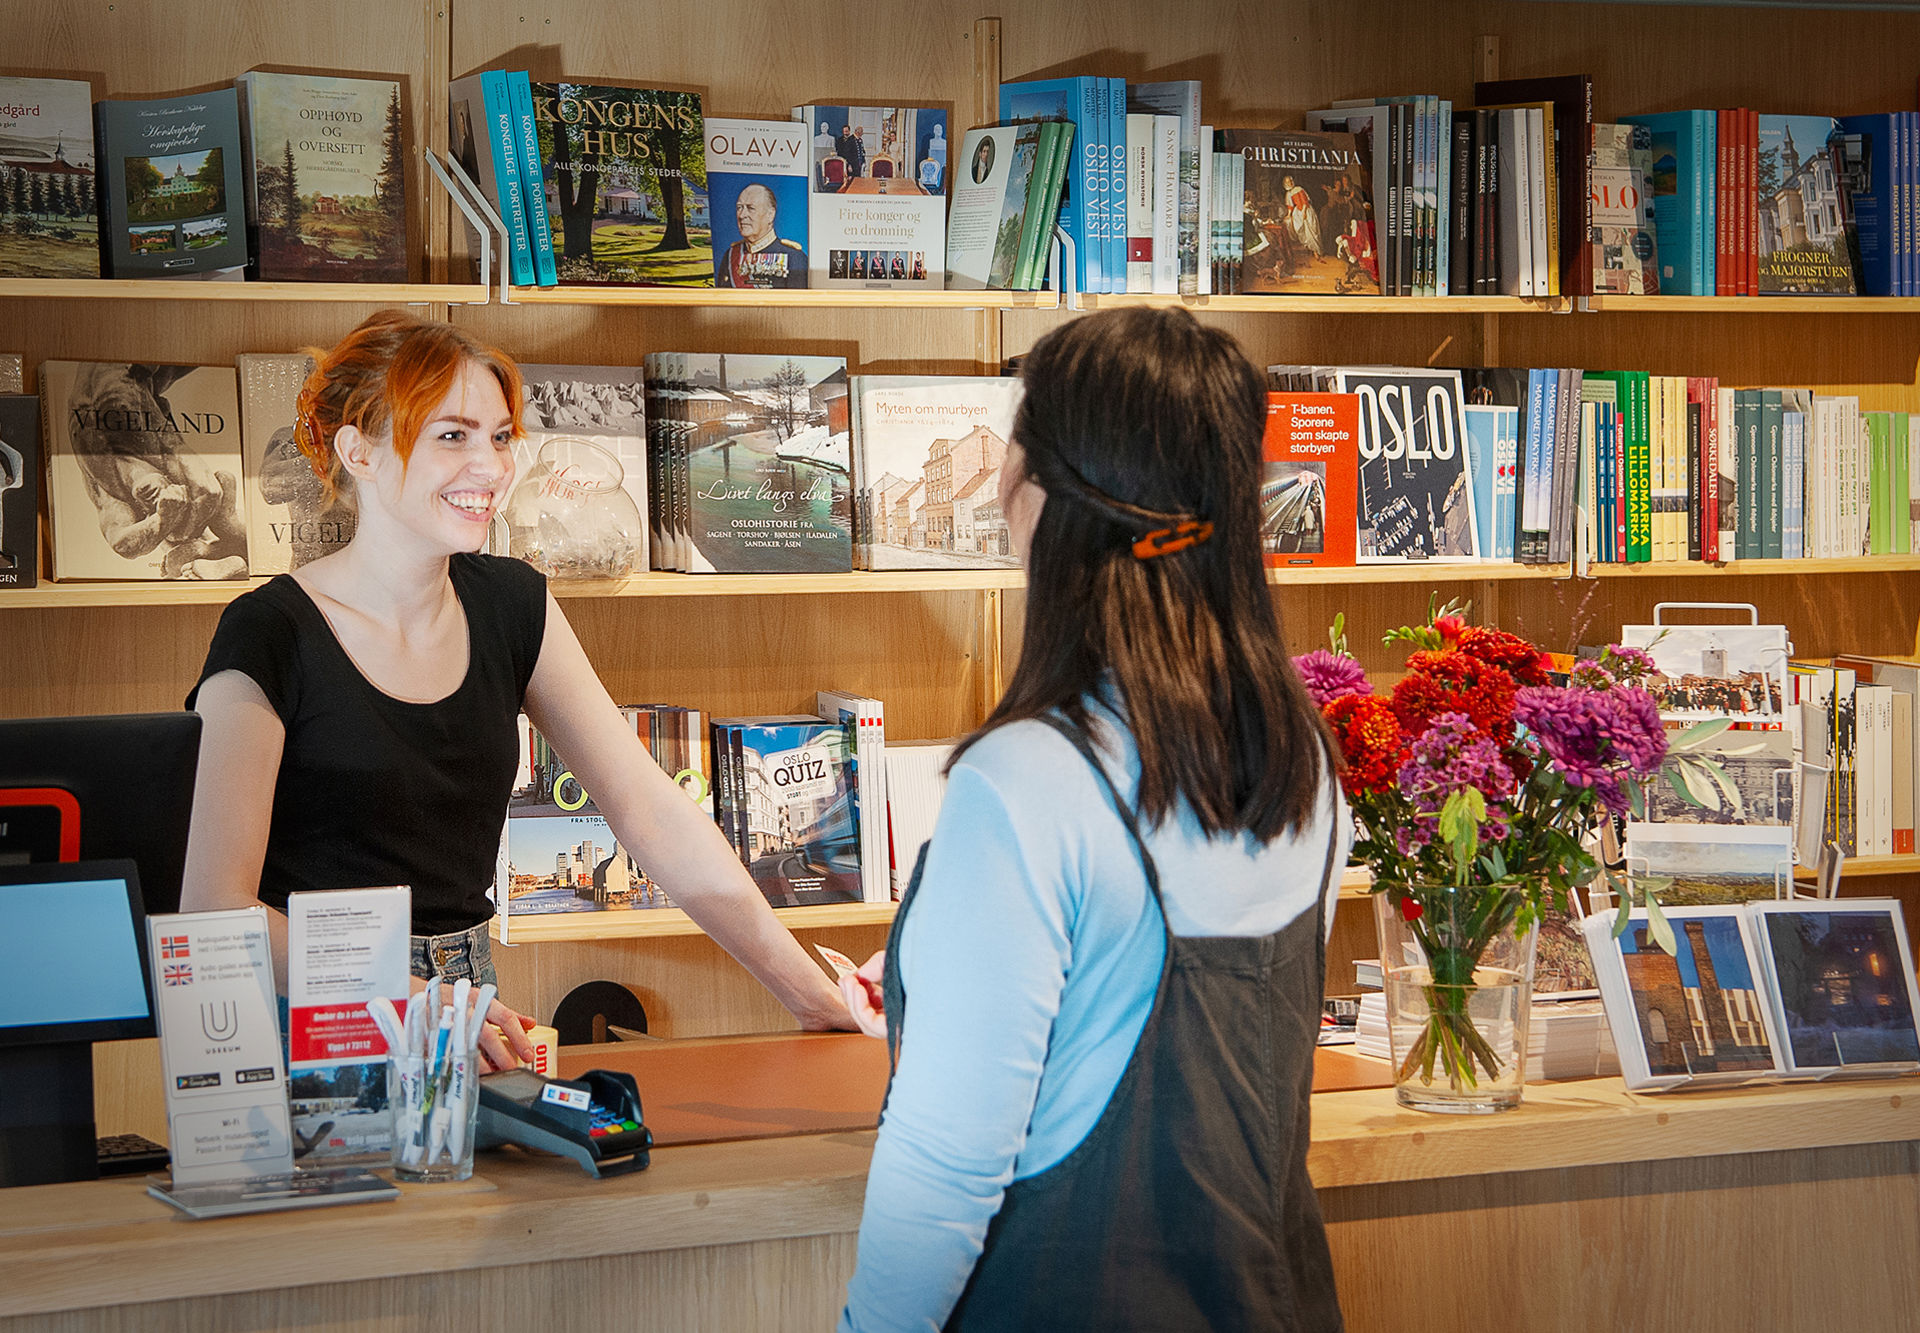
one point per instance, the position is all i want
(571, 516)
(1459, 990)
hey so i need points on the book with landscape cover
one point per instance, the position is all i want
(792, 807)
(757, 193)
(1799, 193)
(49, 219)
(171, 175)
(326, 177)
(1310, 463)
(1306, 214)
(289, 519)
(143, 471)
(927, 456)
(1622, 236)
(20, 473)
(767, 464)
(1416, 490)
(878, 207)
(623, 172)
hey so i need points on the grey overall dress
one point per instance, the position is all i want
(1187, 1206)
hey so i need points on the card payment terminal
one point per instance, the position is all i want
(594, 1119)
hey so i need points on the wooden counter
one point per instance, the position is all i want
(1588, 1207)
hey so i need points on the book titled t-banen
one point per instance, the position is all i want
(1309, 473)
(624, 175)
(290, 521)
(171, 170)
(767, 464)
(143, 466)
(1416, 489)
(928, 450)
(49, 220)
(1803, 236)
(757, 189)
(1306, 214)
(877, 214)
(326, 184)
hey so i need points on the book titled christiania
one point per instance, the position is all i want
(326, 181)
(49, 225)
(877, 215)
(143, 467)
(171, 174)
(928, 450)
(290, 520)
(1803, 237)
(624, 175)
(1306, 214)
(766, 467)
(757, 190)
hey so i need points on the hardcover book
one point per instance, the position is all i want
(878, 206)
(326, 177)
(481, 136)
(1415, 491)
(604, 405)
(793, 805)
(623, 175)
(1626, 258)
(289, 519)
(991, 205)
(767, 464)
(143, 466)
(49, 219)
(171, 173)
(20, 473)
(1310, 465)
(926, 475)
(1803, 237)
(1306, 214)
(757, 193)
(1091, 211)
(1180, 98)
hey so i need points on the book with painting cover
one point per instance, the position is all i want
(877, 211)
(927, 453)
(757, 193)
(143, 470)
(1306, 213)
(1309, 478)
(49, 213)
(20, 473)
(1622, 234)
(1415, 497)
(993, 218)
(623, 177)
(290, 520)
(1803, 248)
(172, 180)
(792, 808)
(326, 178)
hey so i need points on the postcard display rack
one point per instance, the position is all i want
(938, 647)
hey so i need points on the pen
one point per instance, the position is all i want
(457, 1093)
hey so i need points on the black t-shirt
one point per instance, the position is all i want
(373, 790)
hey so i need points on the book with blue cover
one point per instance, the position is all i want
(1682, 181)
(1086, 203)
(1865, 147)
(791, 808)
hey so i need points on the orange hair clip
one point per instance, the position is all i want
(1163, 541)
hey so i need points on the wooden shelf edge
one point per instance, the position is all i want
(1339, 305)
(807, 298)
(1755, 305)
(668, 922)
(1868, 867)
(162, 289)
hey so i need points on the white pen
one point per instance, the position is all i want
(381, 1010)
(462, 1056)
(436, 1086)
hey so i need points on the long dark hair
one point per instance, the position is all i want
(1136, 421)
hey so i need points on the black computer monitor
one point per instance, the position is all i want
(77, 973)
(127, 781)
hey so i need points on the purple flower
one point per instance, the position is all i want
(1450, 756)
(1329, 676)
(1594, 737)
(1630, 664)
(1590, 675)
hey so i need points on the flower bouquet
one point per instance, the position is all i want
(1475, 784)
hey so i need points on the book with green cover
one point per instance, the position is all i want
(1032, 223)
(1772, 490)
(1631, 392)
(1746, 425)
(1879, 477)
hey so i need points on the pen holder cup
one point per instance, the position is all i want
(433, 1117)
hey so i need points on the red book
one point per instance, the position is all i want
(1723, 275)
(1752, 143)
(1310, 484)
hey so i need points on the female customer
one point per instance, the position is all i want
(360, 713)
(1105, 983)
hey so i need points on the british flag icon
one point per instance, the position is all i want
(176, 974)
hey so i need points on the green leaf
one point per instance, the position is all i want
(1700, 731)
(1699, 787)
(1497, 862)
(1623, 915)
(1719, 774)
(1659, 927)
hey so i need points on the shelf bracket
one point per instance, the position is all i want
(471, 200)
(1064, 267)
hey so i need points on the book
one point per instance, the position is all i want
(20, 472)
(1865, 146)
(927, 454)
(1623, 235)
(1307, 216)
(1164, 163)
(793, 806)
(1570, 100)
(172, 186)
(992, 212)
(289, 519)
(767, 464)
(1139, 202)
(49, 212)
(143, 470)
(1372, 131)
(604, 405)
(526, 151)
(916, 784)
(326, 178)
(623, 175)
(865, 722)
(1681, 179)
(1415, 495)
(1180, 98)
(1088, 210)
(1840, 985)
(482, 138)
(1802, 236)
(757, 197)
(1310, 471)
(871, 222)
(1043, 196)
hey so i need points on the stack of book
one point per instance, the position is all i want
(1005, 202)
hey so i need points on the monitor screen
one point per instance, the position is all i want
(76, 953)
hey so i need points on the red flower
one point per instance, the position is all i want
(1511, 653)
(1449, 628)
(1411, 910)
(1370, 741)
(1454, 682)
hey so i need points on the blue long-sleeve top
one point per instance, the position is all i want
(1031, 955)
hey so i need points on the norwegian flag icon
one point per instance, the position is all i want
(173, 946)
(176, 974)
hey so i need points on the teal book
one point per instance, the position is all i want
(532, 196)
(1682, 182)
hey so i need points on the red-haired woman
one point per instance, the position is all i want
(360, 712)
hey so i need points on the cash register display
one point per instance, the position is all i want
(76, 961)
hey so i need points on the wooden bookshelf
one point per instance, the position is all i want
(1753, 305)
(727, 298)
(277, 293)
(1247, 303)
(1868, 867)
